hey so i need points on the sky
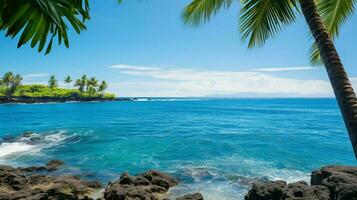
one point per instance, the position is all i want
(143, 48)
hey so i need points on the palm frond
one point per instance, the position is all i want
(334, 14)
(201, 11)
(263, 19)
(40, 21)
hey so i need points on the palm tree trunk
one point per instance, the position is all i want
(345, 96)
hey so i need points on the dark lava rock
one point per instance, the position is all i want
(341, 181)
(146, 186)
(301, 190)
(18, 184)
(50, 166)
(195, 196)
(327, 183)
(54, 165)
(270, 190)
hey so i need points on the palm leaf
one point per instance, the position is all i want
(40, 21)
(334, 14)
(263, 19)
(200, 11)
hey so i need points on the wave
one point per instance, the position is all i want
(223, 179)
(29, 143)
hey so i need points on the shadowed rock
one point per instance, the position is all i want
(17, 184)
(327, 183)
(195, 196)
(266, 191)
(149, 185)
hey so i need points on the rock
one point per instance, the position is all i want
(54, 165)
(146, 186)
(271, 190)
(301, 190)
(195, 196)
(341, 181)
(126, 179)
(160, 179)
(327, 183)
(18, 184)
(50, 166)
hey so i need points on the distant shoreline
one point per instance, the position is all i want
(33, 100)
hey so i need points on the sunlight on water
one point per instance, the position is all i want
(216, 147)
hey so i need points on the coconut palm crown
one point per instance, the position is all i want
(39, 22)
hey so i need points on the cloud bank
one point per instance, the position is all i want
(182, 82)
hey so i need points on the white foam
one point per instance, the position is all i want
(7, 149)
(23, 145)
(210, 190)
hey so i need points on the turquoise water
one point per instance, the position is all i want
(215, 146)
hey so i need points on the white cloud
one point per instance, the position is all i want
(190, 82)
(35, 75)
(279, 69)
(129, 67)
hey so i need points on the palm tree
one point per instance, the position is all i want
(263, 19)
(52, 83)
(92, 84)
(102, 87)
(81, 83)
(10, 83)
(41, 21)
(68, 80)
(6, 80)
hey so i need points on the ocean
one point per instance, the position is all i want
(214, 146)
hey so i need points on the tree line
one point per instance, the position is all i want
(10, 83)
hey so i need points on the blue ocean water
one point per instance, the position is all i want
(215, 146)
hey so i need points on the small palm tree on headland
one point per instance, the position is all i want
(81, 83)
(52, 84)
(68, 80)
(102, 87)
(92, 83)
(263, 19)
(10, 82)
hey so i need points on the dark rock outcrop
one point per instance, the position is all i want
(149, 185)
(17, 183)
(195, 196)
(50, 166)
(327, 183)
(266, 191)
(341, 181)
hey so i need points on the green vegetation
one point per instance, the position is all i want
(10, 86)
(263, 19)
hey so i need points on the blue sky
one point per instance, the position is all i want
(142, 48)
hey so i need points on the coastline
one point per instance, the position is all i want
(35, 100)
(37, 182)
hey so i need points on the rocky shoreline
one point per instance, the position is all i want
(327, 183)
(32, 183)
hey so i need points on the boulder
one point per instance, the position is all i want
(17, 183)
(341, 181)
(195, 196)
(270, 190)
(149, 185)
(54, 165)
(327, 183)
(301, 190)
